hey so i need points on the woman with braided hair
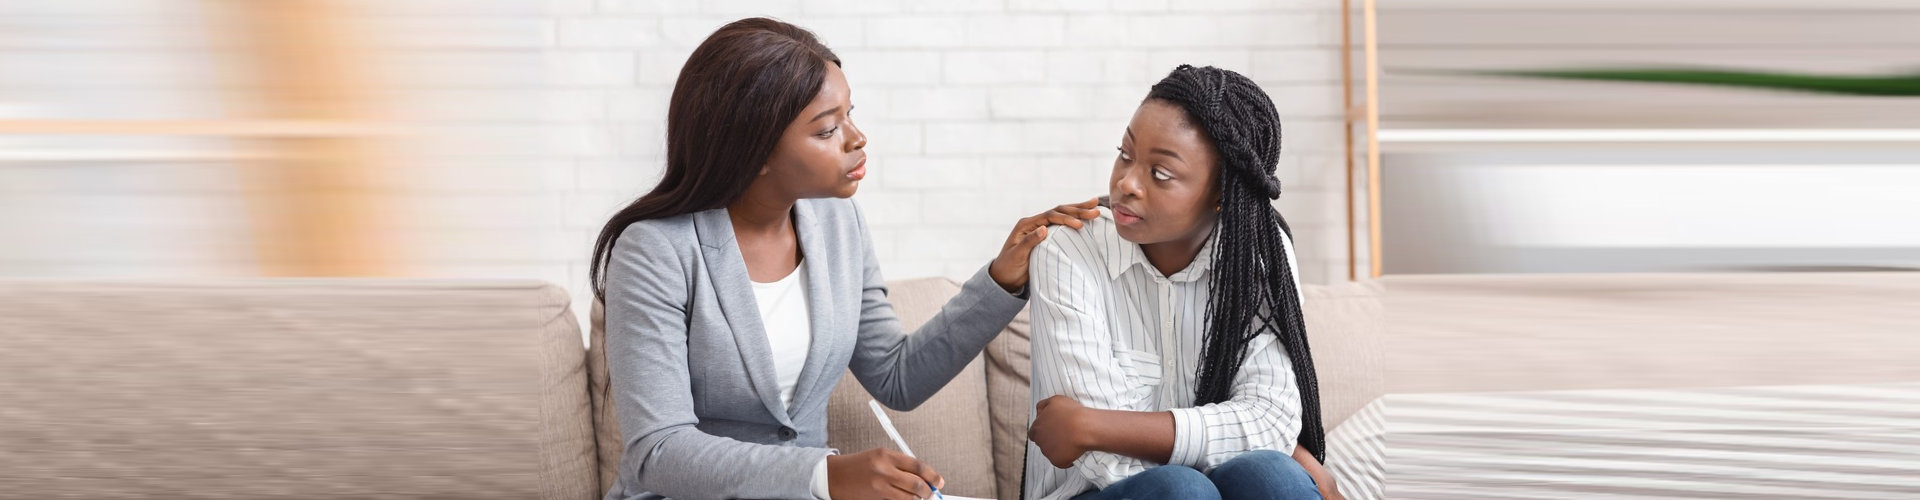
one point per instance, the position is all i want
(1168, 330)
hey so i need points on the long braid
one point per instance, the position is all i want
(1253, 290)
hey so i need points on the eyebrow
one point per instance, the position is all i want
(1163, 151)
(823, 114)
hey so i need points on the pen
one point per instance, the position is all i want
(887, 424)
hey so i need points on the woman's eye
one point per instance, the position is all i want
(1124, 155)
(1161, 175)
(828, 133)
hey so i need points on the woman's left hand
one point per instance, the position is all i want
(1328, 490)
(1010, 268)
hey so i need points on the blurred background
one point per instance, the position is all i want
(1631, 248)
(492, 138)
(1687, 135)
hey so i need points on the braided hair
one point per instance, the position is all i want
(1253, 290)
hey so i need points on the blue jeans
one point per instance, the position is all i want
(1262, 474)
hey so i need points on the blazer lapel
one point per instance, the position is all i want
(820, 309)
(735, 292)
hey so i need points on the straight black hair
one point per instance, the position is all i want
(734, 97)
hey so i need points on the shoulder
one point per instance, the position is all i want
(655, 238)
(1087, 246)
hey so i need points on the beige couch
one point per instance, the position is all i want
(416, 389)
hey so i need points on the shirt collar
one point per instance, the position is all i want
(1130, 255)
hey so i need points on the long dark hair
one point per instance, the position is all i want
(1253, 291)
(735, 96)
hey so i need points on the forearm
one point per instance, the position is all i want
(1138, 434)
(902, 370)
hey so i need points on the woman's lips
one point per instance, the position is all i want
(859, 170)
(1123, 216)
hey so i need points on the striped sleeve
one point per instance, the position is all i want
(1073, 352)
(1263, 414)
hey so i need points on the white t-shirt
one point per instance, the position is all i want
(789, 326)
(783, 311)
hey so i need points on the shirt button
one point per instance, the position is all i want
(787, 433)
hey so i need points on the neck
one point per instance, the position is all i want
(761, 213)
(1171, 257)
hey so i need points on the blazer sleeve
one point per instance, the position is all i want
(646, 299)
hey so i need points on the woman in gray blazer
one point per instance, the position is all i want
(749, 242)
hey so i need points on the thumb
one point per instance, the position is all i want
(1032, 239)
(1036, 236)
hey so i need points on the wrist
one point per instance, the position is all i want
(993, 272)
(1090, 429)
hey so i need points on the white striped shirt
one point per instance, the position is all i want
(1112, 332)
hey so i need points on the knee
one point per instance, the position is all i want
(1263, 463)
(1264, 474)
(1177, 481)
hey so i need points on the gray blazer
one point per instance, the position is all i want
(692, 378)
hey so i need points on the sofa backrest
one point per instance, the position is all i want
(292, 388)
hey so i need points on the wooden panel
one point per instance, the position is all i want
(316, 209)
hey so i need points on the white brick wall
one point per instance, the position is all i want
(538, 119)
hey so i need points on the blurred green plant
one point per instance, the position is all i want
(1900, 85)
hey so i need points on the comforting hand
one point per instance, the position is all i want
(1010, 268)
(1060, 429)
(1328, 490)
(879, 473)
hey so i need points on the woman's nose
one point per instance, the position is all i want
(858, 138)
(1126, 185)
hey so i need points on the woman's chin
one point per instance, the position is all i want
(846, 191)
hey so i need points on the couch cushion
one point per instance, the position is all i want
(1009, 361)
(281, 388)
(949, 430)
(1345, 328)
(606, 425)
